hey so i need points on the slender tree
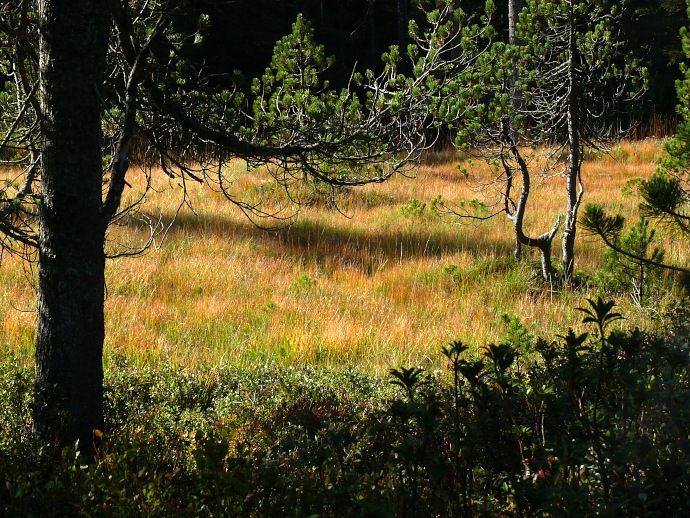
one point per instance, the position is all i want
(515, 7)
(496, 134)
(580, 78)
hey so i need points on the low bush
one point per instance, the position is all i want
(587, 424)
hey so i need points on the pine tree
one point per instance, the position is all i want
(558, 88)
(666, 195)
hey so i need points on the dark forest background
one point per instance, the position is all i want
(240, 35)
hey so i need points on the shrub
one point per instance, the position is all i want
(636, 276)
(588, 424)
(598, 424)
(413, 209)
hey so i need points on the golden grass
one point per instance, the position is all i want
(377, 289)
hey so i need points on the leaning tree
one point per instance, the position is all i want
(95, 92)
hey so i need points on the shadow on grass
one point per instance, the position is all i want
(344, 245)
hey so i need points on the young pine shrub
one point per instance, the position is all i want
(636, 276)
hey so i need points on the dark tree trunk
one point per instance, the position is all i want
(70, 328)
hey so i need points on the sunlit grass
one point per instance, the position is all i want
(363, 285)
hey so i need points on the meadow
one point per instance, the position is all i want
(300, 371)
(376, 281)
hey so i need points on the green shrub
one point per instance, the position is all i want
(586, 424)
(413, 209)
(635, 276)
(303, 283)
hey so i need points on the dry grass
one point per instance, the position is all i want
(378, 289)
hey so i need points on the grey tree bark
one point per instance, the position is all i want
(544, 241)
(70, 328)
(574, 186)
(514, 9)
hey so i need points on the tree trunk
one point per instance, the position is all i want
(574, 193)
(515, 7)
(573, 180)
(543, 242)
(71, 285)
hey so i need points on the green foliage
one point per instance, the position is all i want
(630, 261)
(619, 154)
(666, 195)
(517, 335)
(630, 186)
(413, 209)
(474, 208)
(303, 283)
(453, 271)
(678, 149)
(292, 77)
(586, 424)
(637, 276)
(683, 86)
(666, 198)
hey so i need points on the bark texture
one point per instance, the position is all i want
(515, 7)
(574, 186)
(70, 329)
(516, 100)
(542, 242)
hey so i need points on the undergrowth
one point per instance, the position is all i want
(596, 423)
